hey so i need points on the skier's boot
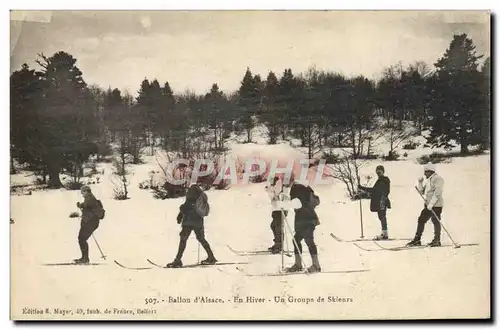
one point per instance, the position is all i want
(315, 268)
(177, 263)
(414, 242)
(434, 243)
(383, 236)
(276, 249)
(297, 267)
(82, 261)
(209, 261)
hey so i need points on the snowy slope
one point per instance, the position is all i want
(443, 282)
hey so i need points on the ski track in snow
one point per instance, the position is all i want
(437, 283)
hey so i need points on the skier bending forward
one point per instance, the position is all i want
(306, 221)
(90, 222)
(191, 217)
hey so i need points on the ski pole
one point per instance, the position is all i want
(455, 245)
(282, 239)
(297, 246)
(361, 215)
(282, 197)
(102, 254)
(286, 241)
(198, 252)
(287, 246)
(361, 207)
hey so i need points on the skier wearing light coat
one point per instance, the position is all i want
(433, 195)
(274, 191)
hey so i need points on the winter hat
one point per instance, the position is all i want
(429, 167)
(380, 167)
(193, 192)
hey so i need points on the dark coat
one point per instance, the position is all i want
(89, 208)
(379, 194)
(188, 215)
(306, 215)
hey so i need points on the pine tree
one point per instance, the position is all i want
(359, 115)
(335, 89)
(249, 101)
(65, 118)
(167, 119)
(455, 102)
(216, 112)
(114, 115)
(26, 138)
(308, 111)
(285, 100)
(103, 147)
(271, 107)
(484, 123)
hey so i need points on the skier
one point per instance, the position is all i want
(275, 190)
(91, 209)
(304, 201)
(191, 216)
(379, 199)
(433, 195)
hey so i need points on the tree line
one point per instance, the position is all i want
(58, 121)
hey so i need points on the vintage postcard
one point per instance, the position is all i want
(250, 165)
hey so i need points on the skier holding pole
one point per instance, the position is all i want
(304, 201)
(379, 199)
(191, 218)
(432, 194)
(92, 213)
(275, 190)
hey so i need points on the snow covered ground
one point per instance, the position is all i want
(424, 283)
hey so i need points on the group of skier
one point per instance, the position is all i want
(297, 196)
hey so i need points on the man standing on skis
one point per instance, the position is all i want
(433, 195)
(191, 215)
(275, 190)
(379, 199)
(91, 208)
(303, 200)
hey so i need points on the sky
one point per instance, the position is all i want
(194, 49)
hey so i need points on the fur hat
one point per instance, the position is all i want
(380, 167)
(429, 167)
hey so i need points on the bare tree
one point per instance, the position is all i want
(395, 71)
(120, 172)
(359, 137)
(346, 170)
(423, 69)
(135, 147)
(75, 170)
(395, 135)
(167, 187)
